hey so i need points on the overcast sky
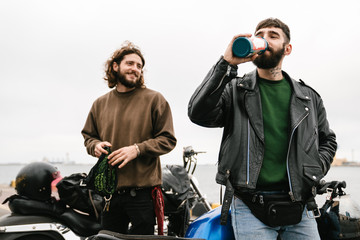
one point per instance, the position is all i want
(52, 56)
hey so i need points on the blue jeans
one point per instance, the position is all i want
(247, 227)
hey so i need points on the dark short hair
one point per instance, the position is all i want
(274, 22)
(118, 56)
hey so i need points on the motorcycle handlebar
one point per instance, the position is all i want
(335, 185)
(189, 152)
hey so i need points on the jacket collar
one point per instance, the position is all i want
(249, 80)
(298, 106)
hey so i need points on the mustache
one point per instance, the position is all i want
(133, 72)
(270, 49)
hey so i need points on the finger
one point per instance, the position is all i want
(99, 148)
(117, 162)
(114, 153)
(123, 163)
(116, 159)
(103, 145)
(107, 144)
(97, 152)
(102, 150)
(111, 155)
(252, 58)
(112, 160)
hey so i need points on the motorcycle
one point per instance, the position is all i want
(53, 220)
(339, 218)
(33, 218)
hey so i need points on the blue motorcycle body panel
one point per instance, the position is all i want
(208, 227)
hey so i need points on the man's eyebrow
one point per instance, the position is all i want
(274, 32)
(270, 31)
(258, 32)
(134, 62)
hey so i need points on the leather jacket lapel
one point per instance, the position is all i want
(299, 106)
(252, 102)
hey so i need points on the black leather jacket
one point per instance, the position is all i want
(224, 100)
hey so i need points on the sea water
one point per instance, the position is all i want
(204, 175)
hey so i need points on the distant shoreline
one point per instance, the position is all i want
(347, 165)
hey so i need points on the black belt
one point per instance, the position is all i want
(131, 190)
(259, 197)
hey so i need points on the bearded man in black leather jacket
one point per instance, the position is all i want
(277, 143)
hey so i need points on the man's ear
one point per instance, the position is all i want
(288, 49)
(115, 66)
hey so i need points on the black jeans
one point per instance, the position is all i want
(125, 208)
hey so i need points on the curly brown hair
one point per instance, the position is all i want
(126, 49)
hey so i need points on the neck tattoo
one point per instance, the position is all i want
(275, 72)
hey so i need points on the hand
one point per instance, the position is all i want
(122, 156)
(230, 58)
(99, 148)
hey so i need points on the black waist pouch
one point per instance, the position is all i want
(273, 209)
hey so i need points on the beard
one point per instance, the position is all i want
(121, 78)
(267, 62)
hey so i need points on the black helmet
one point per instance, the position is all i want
(34, 180)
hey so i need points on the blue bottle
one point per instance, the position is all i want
(246, 47)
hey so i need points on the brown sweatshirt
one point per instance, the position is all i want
(141, 116)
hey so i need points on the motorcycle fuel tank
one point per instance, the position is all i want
(208, 227)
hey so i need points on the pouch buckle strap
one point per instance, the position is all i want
(312, 207)
(316, 213)
(229, 193)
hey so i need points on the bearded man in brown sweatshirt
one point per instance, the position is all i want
(136, 123)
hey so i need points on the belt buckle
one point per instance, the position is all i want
(133, 192)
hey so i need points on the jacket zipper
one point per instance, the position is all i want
(248, 155)
(222, 79)
(291, 193)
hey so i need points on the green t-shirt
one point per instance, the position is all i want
(275, 100)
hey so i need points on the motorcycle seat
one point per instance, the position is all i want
(80, 224)
(26, 206)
